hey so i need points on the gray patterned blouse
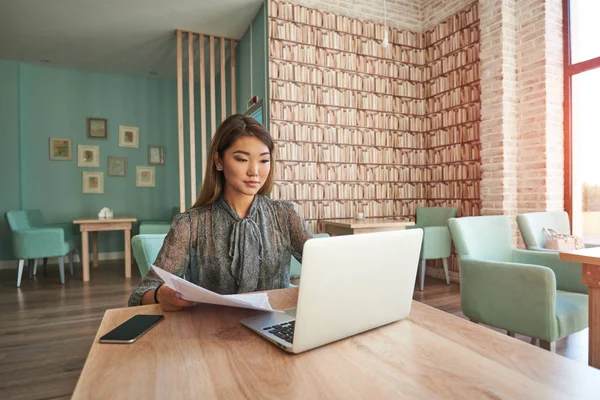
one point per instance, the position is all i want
(220, 251)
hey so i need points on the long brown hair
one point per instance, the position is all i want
(230, 130)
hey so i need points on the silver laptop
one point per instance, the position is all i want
(349, 284)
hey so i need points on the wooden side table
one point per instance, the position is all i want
(337, 227)
(95, 225)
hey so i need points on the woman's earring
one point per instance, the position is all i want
(219, 168)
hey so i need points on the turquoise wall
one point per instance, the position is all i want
(39, 102)
(9, 149)
(55, 103)
(258, 35)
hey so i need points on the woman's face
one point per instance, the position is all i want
(246, 165)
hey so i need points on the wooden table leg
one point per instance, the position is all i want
(95, 248)
(85, 256)
(594, 332)
(591, 278)
(127, 253)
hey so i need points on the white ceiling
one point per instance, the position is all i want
(115, 36)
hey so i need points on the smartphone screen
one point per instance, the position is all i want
(131, 329)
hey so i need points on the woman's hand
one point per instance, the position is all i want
(170, 300)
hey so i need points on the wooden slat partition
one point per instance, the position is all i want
(192, 117)
(232, 63)
(204, 136)
(180, 123)
(213, 108)
(202, 104)
(223, 85)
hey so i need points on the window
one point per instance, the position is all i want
(582, 128)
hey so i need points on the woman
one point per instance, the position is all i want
(233, 239)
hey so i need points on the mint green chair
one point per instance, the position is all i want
(531, 226)
(145, 250)
(158, 226)
(436, 237)
(32, 240)
(528, 292)
(295, 266)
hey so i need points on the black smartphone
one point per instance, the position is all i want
(133, 328)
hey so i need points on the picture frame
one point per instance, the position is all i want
(61, 149)
(93, 182)
(97, 128)
(156, 155)
(117, 166)
(129, 136)
(88, 156)
(145, 176)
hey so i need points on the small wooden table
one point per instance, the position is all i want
(335, 227)
(590, 259)
(95, 224)
(204, 352)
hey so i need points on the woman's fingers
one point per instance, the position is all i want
(170, 300)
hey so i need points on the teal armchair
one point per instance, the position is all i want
(528, 292)
(531, 226)
(158, 226)
(145, 250)
(31, 239)
(436, 237)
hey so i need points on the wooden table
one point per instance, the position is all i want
(590, 260)
(94, 225)
(335, 227)
(204, 352)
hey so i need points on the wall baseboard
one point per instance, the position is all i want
(110, 255)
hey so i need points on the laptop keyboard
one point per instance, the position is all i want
(283, 331)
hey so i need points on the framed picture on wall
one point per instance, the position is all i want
(88, 156)
(145, 176)
(93, 182)
(129, 136)
(156, 155)
(97, 128)
(60, 149)
(117, 166)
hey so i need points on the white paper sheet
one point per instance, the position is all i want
(195, 293)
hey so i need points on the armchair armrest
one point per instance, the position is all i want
(39, 242)
(513, 296)
(568, 274)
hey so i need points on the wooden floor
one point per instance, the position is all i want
(46, 329)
